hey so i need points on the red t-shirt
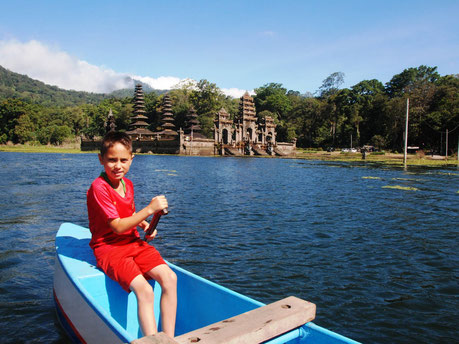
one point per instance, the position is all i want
(105, 203)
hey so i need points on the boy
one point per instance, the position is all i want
(119, 251)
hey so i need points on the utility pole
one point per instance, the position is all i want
(446, 153)
(406, 130)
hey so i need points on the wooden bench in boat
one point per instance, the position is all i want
(256, 326)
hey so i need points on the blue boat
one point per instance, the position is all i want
(94, 309)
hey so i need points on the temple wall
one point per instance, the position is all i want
(90, 145)
(198, 147)
(195, 147)
(157, 147)
(285, 148)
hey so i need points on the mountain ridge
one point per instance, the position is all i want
(20, 86)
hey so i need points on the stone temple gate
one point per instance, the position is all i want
(246, 134)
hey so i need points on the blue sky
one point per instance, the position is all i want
(239, 45)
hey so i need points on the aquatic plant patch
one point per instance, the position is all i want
(399, 187)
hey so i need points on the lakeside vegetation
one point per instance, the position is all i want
(368, 113)
(394, 159)
(306, 154)
(26, 148)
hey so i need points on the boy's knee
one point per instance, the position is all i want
(144, 291)
(174, 278)
(170, 279)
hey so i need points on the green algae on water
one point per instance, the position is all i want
(399, 187)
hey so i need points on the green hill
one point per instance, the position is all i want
(18, 86)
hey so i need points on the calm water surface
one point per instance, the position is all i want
(380, 263)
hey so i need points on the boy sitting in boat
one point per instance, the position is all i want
(119, 251)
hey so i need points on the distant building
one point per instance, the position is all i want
(138, 127)
(192, 128)
(244, 135)
(168, 130)
(247, 134)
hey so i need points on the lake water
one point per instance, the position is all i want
(380, 262)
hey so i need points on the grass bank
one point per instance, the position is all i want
(385, 158)
(67, 148)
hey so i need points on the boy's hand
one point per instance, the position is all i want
(149, 238)
(158, 203)
(144, 225)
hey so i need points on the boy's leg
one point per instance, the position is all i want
(167, 279)
(145, 304)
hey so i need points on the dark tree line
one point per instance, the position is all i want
(366, 113)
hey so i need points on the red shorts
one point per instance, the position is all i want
(123, 263)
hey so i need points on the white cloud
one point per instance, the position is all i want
(55, 67)
(161, 83)
(236, 92)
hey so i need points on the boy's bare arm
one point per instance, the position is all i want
(119, 225)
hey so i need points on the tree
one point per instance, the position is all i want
(411, 78)
(96, 119)
(181, 105)
(308, 118)
(378, 141)
(331, 84)
(24, 129)
(394, 123)
(207, 100)
(273, 97)
(10, 111)
(443, 112)
(368, 88)
(374, 117)
(365, 111)
(355, 118)
(58, 134)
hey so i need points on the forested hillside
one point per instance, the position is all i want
(18, 86)
(369, 112)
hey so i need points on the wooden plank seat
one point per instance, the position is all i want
(256, 326)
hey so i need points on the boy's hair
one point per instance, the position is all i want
(113, 137)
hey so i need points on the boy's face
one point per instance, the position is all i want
(116, 161)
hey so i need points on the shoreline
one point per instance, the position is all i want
(393, 159)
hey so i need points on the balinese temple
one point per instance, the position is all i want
(168, 130)
(246, 121)
(223, 128)
(110, 123)
(267, 133)
(246, 135)
(138, 127)
(192, 128)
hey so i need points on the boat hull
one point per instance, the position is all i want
(94, 309)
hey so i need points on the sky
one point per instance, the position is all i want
(100, 45)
